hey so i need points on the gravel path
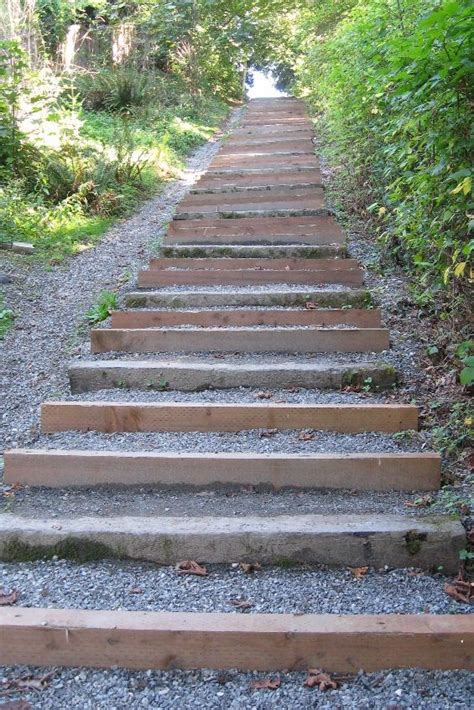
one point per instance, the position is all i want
(49, 306)
(135, 586)
(121, 690)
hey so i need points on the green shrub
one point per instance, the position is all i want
(106, 303)
(118, 89)
(393, 79)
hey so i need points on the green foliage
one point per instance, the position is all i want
(6, 317)
(393, 79)
(106, 303)
(465, 353)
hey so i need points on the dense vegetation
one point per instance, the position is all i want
(393, 81)
(100, 99)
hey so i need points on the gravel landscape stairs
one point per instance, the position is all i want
(252, 296)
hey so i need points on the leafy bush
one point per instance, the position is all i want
(106, 303)
(117, 89)
(392, 78)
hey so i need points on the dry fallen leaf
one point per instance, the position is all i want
(136, 590)
(267, 433)
(241, 603)
(310, 305)
(263, 395)
(317, 677)
(191, 567)
(249, 567)
(26, 682)
(461, 590)
(265, 684)
(358, 572)
(8, 598)
(306, 435)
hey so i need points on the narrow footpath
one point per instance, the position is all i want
(225, 487)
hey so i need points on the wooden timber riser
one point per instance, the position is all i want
(261, 182)
(240, 340)
(112, 417)
(263, 642)
(254, 197)
(312, 230)
(362, 472)
(246, 277)
(358, 317)
(292, 146)
(276, 162)
(290, 264)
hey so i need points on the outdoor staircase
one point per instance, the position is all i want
(252, 289)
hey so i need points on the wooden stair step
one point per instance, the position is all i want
(242, 340)
(345, 297)
(293, 146)
(226, 264)
(154, 278)
(56, 468)
(259, 162)
(264, 642)
(352, 540)
(362, 318)
(124, 416)
(219, 184)
(251, 197)
(312, 230)
(249, 169)
(251, 138)
(194, 374)
(270, 207)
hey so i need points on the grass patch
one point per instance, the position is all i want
(6, 317)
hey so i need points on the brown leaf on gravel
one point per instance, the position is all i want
(306, 435)
(317, 677)
(241, 603)
(136, 590)
(460, 589)
(265, 684)
(358, 572)
(8, 598)
(420, 502)
(311, 305)
(263, 395)
(267, 433)
(249, 567)
(26, 682)
(190, 567)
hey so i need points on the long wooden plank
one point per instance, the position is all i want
(258, 162)
(278, 264)
(359, 317)
(262, 642)
(243, 340)
(242, 277)
(315, 229)
(250, 138)
(257, 181)
(125, 416)
(282, 196)
(74, 467)
(293, 146)
(271, 207)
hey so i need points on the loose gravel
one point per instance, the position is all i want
(190, 503)
(50, 304)
(210, 690)
(136, 586)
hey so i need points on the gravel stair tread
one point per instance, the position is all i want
(264, 443)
